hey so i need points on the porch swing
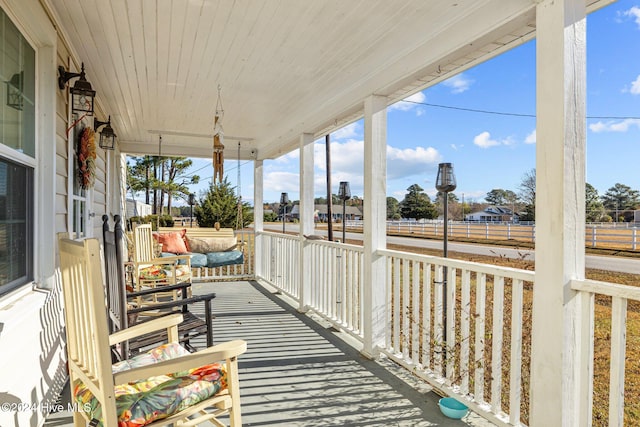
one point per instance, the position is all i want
(213, 248)
(220, 246)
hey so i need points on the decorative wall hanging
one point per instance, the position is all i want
(218, 140)
(86, 156)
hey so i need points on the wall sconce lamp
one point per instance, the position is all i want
(14, 91)
(107, 136)
(82, 94)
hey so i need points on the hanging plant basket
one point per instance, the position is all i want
(86, 156)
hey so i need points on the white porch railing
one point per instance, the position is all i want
(336, 272)
(279, 261)
(620, 296)
(470, 339)
(453, 336)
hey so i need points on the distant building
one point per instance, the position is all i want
(493, 214)
(137, 208)
(321, 213)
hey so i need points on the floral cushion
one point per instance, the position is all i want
(182, 271)
(156, 272)
(143, 402)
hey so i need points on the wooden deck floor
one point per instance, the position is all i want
(299, 372)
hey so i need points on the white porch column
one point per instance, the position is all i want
(556, 368)
(258, 215)
(45, 189)
(375, 215)
(306, 216)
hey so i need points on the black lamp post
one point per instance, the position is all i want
(192, 201)
(445, 183)
(284, 200)
(344, 194)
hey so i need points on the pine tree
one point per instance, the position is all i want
(417, 204)
(220, 204)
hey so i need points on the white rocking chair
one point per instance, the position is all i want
(164, 386)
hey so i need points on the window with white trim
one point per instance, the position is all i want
(17, 137)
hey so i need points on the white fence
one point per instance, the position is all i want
(600, 235)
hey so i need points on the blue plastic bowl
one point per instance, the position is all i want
(451, 408)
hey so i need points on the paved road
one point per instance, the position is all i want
(609, 263)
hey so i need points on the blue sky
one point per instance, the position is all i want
(488, 150)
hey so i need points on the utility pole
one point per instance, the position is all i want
(329, 195)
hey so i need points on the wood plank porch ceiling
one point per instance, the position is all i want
(285, 66)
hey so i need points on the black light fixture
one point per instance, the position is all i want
(107, 136)
(284, 201)
(82, 94)
(192, 201)
(344, 194)
(445, 183)
(14, 91)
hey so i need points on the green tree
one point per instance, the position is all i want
(417, 204)
(500, 197)
(140, 176)
(159, 177)
(176, 181)
(220, 204)
(593, 205)
(393, 208)
(621, 197)
(528, 195)
(270, 217)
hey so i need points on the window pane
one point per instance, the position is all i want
(17, 72)
(16, 224)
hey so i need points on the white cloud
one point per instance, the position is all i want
(347, 164)
(349, 131)
(531, 138)
(614, 126)
(278, 181)
(456, 147)
(635, 86)
(633, 13)
(484, 140)
(459, 83)
(408, 103)
(347, 156)
(410, 161)
(286, 158)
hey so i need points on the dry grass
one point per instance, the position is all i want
(602, 337)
